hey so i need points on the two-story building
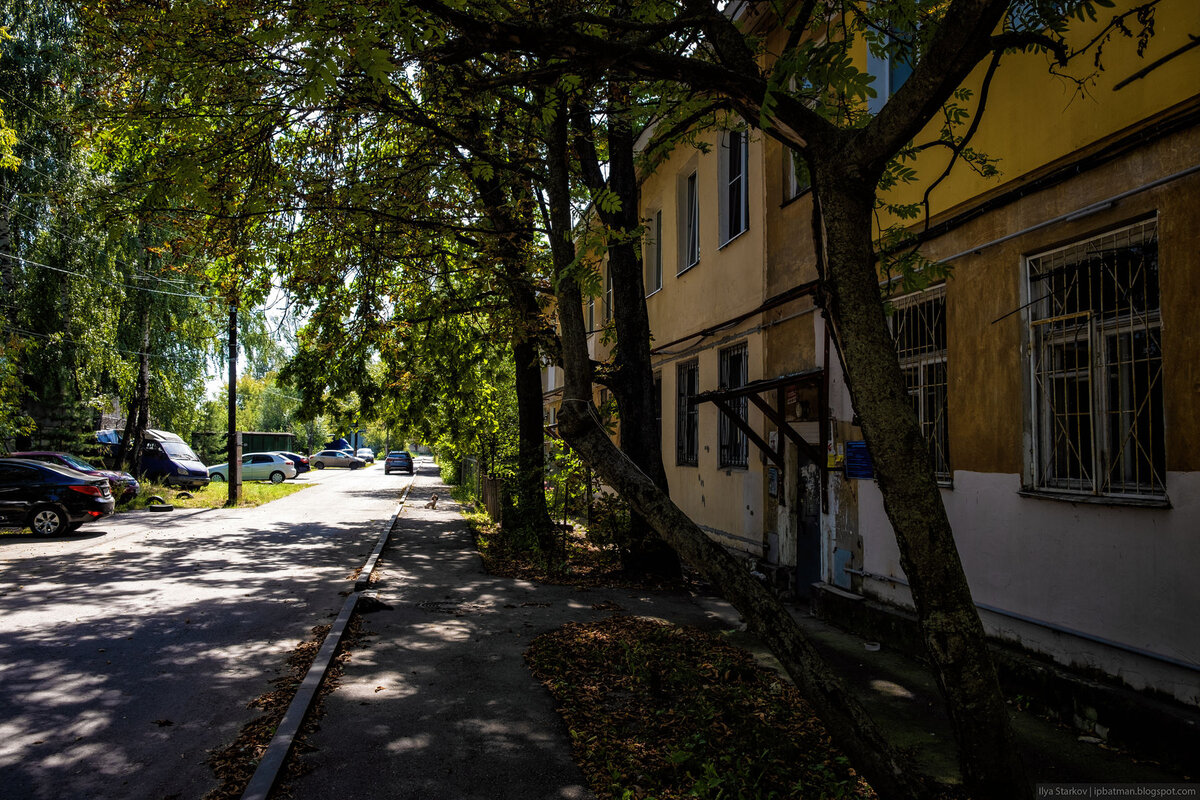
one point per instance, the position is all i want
(1055, 371)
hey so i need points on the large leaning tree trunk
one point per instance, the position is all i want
(631, 378)
(849, 724)
(950, 625)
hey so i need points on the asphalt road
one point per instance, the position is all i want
(129, 651)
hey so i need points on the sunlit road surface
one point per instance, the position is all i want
(130, 650)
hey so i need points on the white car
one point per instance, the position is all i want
(258, 467)
(366, 454)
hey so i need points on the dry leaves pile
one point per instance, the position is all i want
(660, 711)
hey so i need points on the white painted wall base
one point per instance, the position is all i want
(1118, 588)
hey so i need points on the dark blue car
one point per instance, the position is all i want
(398, 460)
(48, 499)
(300, 461)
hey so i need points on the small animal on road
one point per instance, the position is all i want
(432, 501)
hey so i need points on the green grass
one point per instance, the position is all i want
(215, 495)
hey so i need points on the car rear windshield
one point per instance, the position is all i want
(77, 463)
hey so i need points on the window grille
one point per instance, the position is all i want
(1095, 332)
(919, 329)
(687, 414)
(732, 445)
(658, 406)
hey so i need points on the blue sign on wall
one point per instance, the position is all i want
(858, 461)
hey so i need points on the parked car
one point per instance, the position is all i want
(124, 486)
(336, 458)
(298, 461)
(50, 499)
(366, 454)
(398, 460)
(164, 457)
(258, 467)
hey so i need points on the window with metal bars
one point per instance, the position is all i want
(687, 414)
(1096, 364)
(732, 445)
(919, 329)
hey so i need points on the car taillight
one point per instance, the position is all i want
(94, 491)
(304, 461)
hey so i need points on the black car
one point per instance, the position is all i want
(124, 486)
(300, 461)
(50, 499)
(398, 460)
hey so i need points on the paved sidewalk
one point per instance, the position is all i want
(438, 704)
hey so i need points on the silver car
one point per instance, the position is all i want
(258, 467)
(335, 458)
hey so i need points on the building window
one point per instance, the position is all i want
(890, 71)
(919, 329)
(687, 415)
(1095, 335)
(689, 222)
(652, 259)
(658, 405)
(796, 180)
(732, 445)
(734, 199)
(608, 295)
(591, 314)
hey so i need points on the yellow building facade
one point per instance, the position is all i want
(1056, 371)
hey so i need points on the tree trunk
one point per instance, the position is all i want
(632, 376)
(950, 625)
(130, 448)
(848, 723)
(530, 491)
(508, 207)
(8, 280)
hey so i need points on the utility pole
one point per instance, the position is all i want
(235, 438)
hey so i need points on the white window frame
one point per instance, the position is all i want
(733, 193)
(652, 253)
(689, 220)
(792, 188)
(1097, 414)
(608, 295)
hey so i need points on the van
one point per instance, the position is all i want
(165, 457)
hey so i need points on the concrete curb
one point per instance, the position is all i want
(364, 576)
(273, 759)
(281, 744)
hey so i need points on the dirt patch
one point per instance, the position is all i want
(586, 565)
(661, 711)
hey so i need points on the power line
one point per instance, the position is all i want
(122, 285)
(69, 340)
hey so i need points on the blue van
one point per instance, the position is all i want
(164, 457)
